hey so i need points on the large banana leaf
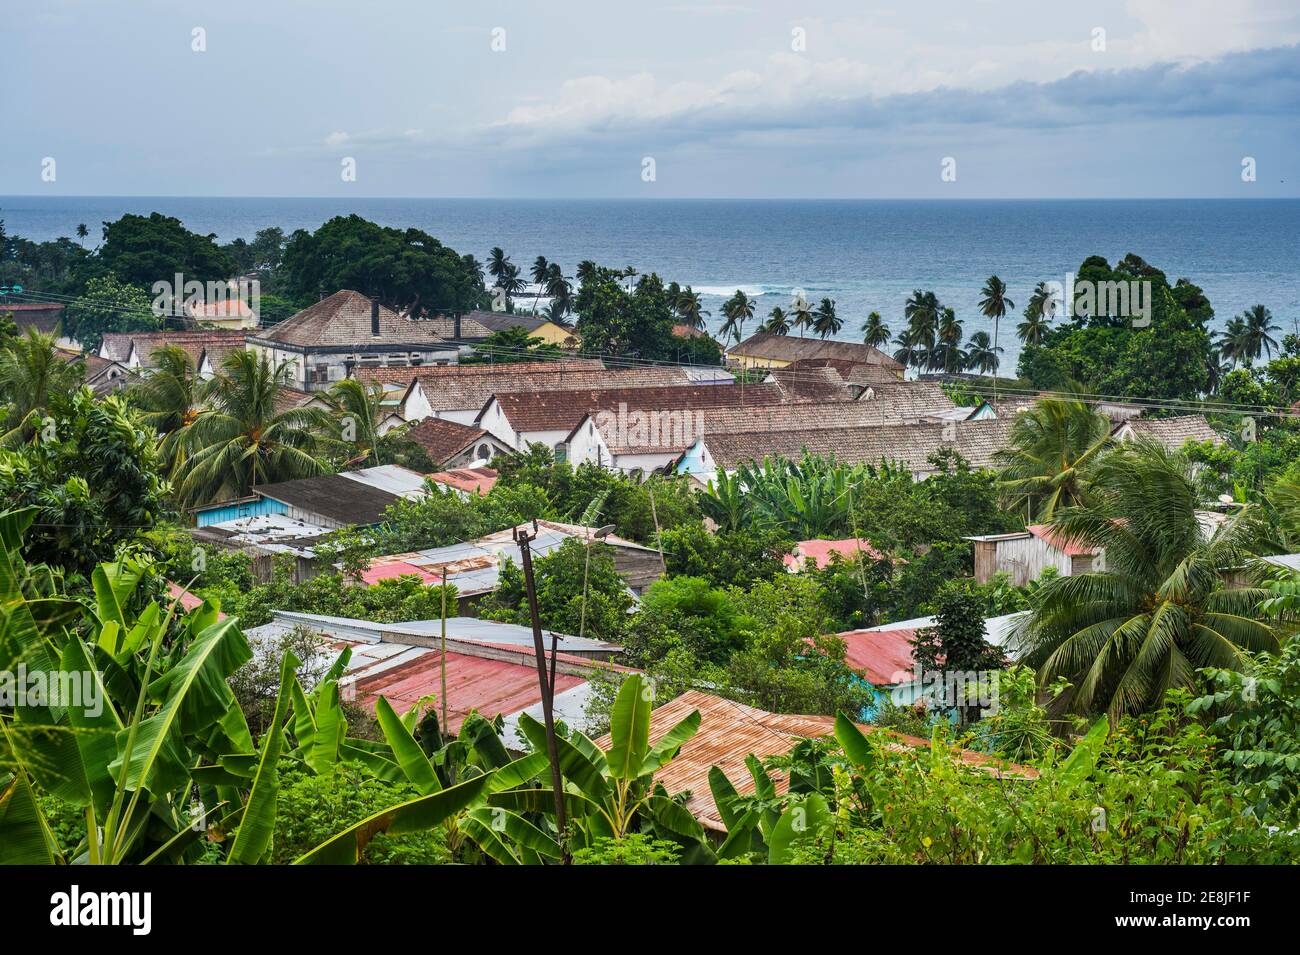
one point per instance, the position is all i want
(418, 814)
(25, 837)
(629, 728)
(410, 757)
(95, 734)
(258, 822)
(574, 766)
(802, 822)
(505, 835)
(853, 742)
(1081, 762)
(665, 751)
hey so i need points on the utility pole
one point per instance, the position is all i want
(523, 539)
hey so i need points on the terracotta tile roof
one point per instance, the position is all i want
(909, 444)
(731, 731)
(286, 399)
(792, 348)
(449, 373)
(853, 372)
(344, 319)
(224, 308)
(217, 343)
(42, 316)
(890, 405)
(443, 439)
(563, 410)
(821, 384)
(689, 331)
(1175, 432)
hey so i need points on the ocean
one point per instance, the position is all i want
(865, 254)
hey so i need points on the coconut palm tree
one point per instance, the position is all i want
(32, 374)
(559, 290)
(1037, 318)
(358, 411)
(170, 397)
(498, 264)
(239, 440)
(922, 314)
(778, 322)
(874, 331)
(82, 232)
(1161, 609)
(511, 284)
(737, 310)
(1255, 338)
(825, 322)
(982, 354)
(948, 355)
(1053, 448)
(909, 353)
(803, 314)
(689, 309)
(586, 271)
(540, 273)
(994, 305)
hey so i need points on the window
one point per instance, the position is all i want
(561, 452)
(483, 452)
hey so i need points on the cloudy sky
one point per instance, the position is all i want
(842, 98)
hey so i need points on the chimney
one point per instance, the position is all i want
(455, 327)
(374, 317)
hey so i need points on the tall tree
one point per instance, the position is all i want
(239, 440)
(1037, 316)
(874, 331)
(778, 322)
(169, 398)
(688, 308)
(1055, 446)
(1162, 608)
(540, 273)
(737, 310)
(982, 354)
(994, 304)
(826, 322)
(33, 375)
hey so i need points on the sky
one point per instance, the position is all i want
(570, 98)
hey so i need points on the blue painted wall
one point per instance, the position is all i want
(230, 512)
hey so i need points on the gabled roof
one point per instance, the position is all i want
(1069, 548)
(354, 497)
(1173, 433)
(469, 480)
(443, 439)
(216, 343)
(431, 376)
(909, 445)
(818, 552)
(563, 410)
(790, 348)
(344, 319)
(821, 384)
(471, 391)
(853, 372)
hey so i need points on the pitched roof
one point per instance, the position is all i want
(286, 399)
(443, 439)
(731, 731)
(354, 497)
(43, 316)
(909, 444)
(344, 319)
(563, 410)
(216, 342)
(1174, 432)
(1070, 548)
(789, 348)
(466, 392)
(432, 375)
(900, 404)
(820, 383)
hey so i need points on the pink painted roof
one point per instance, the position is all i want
(395, 568)
(491, 687)
(1068, 547)
(188, 600)
(471, 480)
(884, 657)
(820, 551)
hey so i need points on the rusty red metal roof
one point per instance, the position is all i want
(1053, 537)
(818, 552)
(883, 657)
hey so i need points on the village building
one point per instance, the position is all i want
(1024, 555)
(763, 350)
(327, 341)
(207, 348)
(1173, 433)
(453, 445)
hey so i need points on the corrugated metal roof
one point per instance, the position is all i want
(883, 657)
(393, 478)
(730, 731)
(818, 552)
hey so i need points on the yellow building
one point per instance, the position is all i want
(779, 351)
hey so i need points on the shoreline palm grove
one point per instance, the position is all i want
(941, 611)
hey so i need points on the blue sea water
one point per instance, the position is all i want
(864, 254)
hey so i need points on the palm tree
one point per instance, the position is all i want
(511, 284)
(1037, 321)
(803, 315)
(587, 270)
(982, 354)
(948, 355)
(498, 264)
(541, 272)
(170, 397)
(922, 313)
(778, 322)
(1161, 609)
(688, 308)
(1257, 323)
(239, 440)
(825, 322)
(82, 233)
(358, 412)
(909, 353)
(875, 332)
(560, 291)
(1053, 448)
(994, 305)
(32, 374)
(738, 309)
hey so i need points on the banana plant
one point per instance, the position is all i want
(609, 795)
(154, 707)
